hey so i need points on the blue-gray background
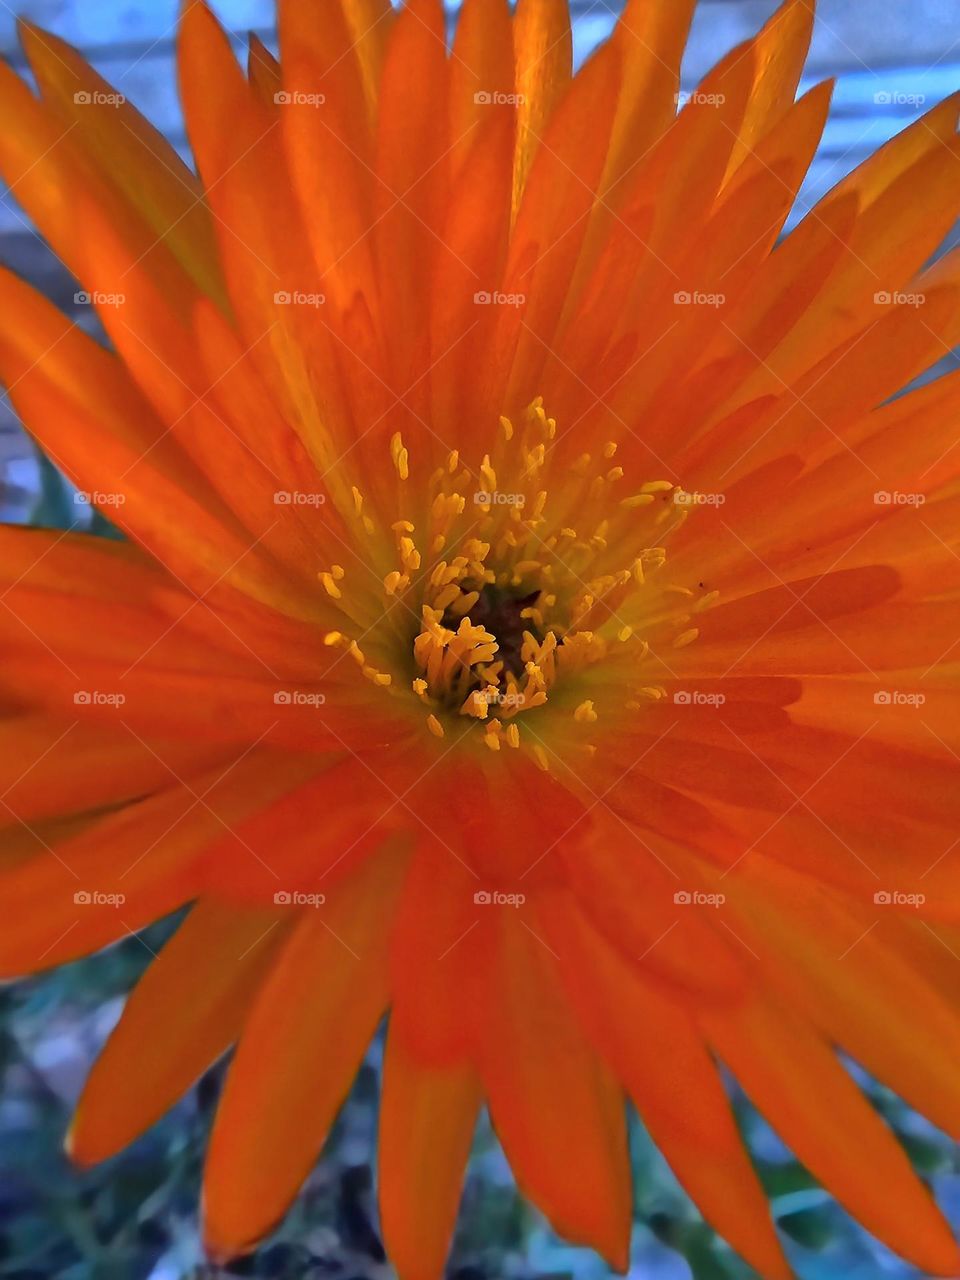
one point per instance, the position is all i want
(136, 1218)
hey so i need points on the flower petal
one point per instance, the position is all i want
(427, 1119)
(183, 1014)
(794, 1078)
(302, 1044)
(552, 1102)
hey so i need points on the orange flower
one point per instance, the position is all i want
(538, 621)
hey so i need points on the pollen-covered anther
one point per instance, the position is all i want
(477, 704)
(646, 694)
(400, 456)
(368, 526)
(410, 559)
(686, 637)
(330, 578)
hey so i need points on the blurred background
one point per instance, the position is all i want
(135, 1218)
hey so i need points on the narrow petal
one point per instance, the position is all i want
(302, 1044)
(794, 1078)
(554, 1105)
(183, 1014)
(427, 1119)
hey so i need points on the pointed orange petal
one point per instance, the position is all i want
(50, 766)
(781, 49)
(330, 145)
(553, 1103)
(129, 152)
(861, 993)
(263, 71)
(652, 38)
(427, 1119)
(543, 51)
(301, 1047)
(674, 1085)
(482, 68)
(794, 1078)
(184, 1013)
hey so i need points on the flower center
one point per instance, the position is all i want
(525, 591)
(508, 616)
